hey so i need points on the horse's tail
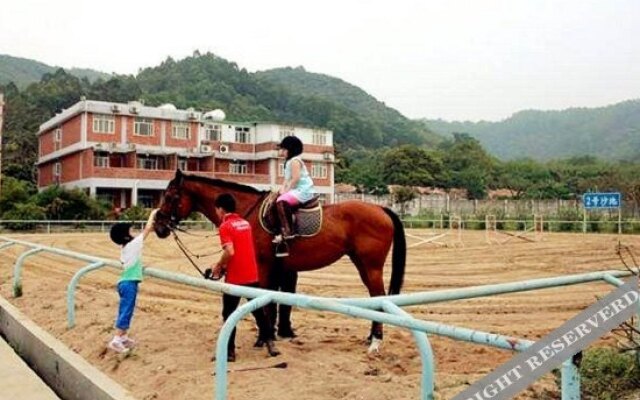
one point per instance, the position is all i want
(399, 255)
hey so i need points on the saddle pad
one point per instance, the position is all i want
(306, 222)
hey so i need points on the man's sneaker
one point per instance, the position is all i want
(117, 346)
(128, 342)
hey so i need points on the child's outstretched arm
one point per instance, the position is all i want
(150, 222)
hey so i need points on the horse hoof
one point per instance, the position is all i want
(259, 343)
(272, 349)
(374, 347)
(287, 333)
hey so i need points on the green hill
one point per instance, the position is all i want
(207, 82)
(393, 126)
(22, 71)
(611, 133)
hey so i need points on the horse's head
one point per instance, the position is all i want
(176, 206)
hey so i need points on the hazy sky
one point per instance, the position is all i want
(476, 59)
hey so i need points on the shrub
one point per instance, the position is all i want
(26, 212)
(608, 374)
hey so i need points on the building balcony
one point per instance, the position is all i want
(164, 174)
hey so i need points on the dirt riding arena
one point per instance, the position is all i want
(176, 326)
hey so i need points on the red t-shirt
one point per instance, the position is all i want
(242, 267)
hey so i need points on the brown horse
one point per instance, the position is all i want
(360, 230)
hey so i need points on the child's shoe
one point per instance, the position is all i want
(117, 346)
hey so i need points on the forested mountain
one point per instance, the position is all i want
(611, 132)
(391, 122)
(22, 71)
(208, 82)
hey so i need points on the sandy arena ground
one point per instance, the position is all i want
(177, 326)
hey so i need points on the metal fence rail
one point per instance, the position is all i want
(365, 308)
(470, 222)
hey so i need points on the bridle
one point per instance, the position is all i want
(173, 227)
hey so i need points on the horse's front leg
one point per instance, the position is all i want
(288, 283)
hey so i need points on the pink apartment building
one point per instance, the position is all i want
(128, 153)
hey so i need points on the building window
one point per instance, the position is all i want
(57, 169)
(319, 137)
(57, 139)
(143, 127)
(147, 163)
(104, 123)
(286, 131)
(281, 169)
(319, 170)
(183, 164)
(238, 167)
(101, 160)
(213, 132)
(180, 130)
(243, 135)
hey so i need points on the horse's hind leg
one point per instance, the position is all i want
(370, 271)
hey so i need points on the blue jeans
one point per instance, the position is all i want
(128, 291)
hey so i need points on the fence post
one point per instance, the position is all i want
(71, 291)
(17, 270)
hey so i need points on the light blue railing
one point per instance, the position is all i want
(366, 308)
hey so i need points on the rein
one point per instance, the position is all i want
(188, 253)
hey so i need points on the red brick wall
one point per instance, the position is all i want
(46, 143)
(71, 166)
(262, 167)
(45, 174)
(222, 166)
(206, 164)
(242, 147)
(87, 163)
(266, 146)
(72, 131)
(314, 148)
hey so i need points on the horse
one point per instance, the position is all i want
(363, 231)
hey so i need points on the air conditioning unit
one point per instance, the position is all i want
(224, 149)
(326, 156)
(115, 108)
(97, 146)
(131, 146)
(205, 148)
(134, 109)
(113, 145)
(192, 115)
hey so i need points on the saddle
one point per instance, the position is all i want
(307, 217)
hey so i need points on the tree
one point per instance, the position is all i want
(403, 195)
(74, 204)
(467, 165)
(14, 192)
(411, 166)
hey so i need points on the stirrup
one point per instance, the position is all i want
(282, 250)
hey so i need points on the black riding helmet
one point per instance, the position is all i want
(120, 233)
(293, 145)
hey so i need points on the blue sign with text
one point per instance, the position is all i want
(601, 200)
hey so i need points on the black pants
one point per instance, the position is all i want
(229, 305)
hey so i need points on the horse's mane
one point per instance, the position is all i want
(222, 183)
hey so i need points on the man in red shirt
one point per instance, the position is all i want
(238, 263)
